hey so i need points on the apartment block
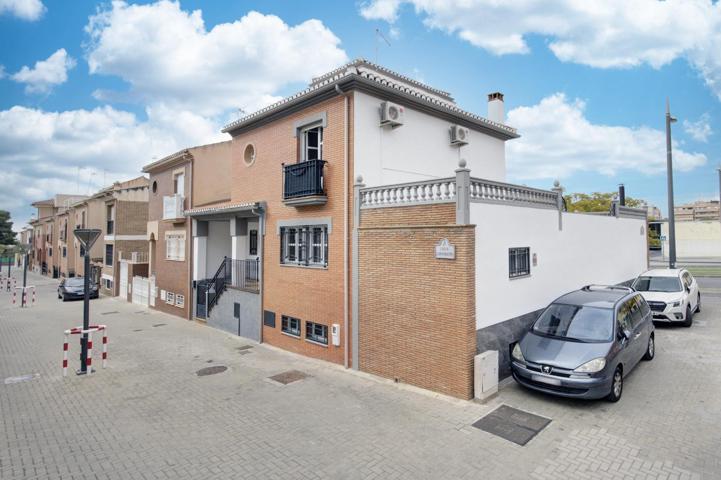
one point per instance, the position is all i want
(698, 211)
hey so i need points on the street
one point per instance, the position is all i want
(148, 415)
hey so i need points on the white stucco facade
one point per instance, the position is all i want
(589, 249)
(695, 239)
(418, 150)
(219, 245)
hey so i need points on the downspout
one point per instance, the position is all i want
(345, 224)
(260, 212)
(189, 243)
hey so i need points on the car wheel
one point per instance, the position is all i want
(650, 348)
(65, 298)
(698, 303)
(616, 386)
(689, 316)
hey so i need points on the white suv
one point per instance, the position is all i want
(672, 294)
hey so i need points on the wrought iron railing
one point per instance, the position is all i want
(244, 274)
(303, 179)
(231, 273)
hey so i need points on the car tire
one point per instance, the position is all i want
(688, 321)
(698, 303)
(650, 348)
(616, 386)
(65, 298)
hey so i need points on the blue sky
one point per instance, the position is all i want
(586, 87)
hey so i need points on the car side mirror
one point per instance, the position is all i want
(624, 334)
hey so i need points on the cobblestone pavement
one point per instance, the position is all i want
(149, 416)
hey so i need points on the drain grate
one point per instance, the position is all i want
(244, 347)
(160, 325)
(109, 313)
(204, 372)
(512, 424)
(289, 377)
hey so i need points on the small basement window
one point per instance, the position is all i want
(290, 325)
(519, 264)
(315, 332)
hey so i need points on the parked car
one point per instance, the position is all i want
(74, 288)
(672, 294)
(585, 343)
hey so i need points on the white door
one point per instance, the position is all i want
(123, 281)
(141, 294)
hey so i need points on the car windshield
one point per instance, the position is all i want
(74, 282)
(657, 284)
(576, 323)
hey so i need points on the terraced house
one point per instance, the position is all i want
(366, 221)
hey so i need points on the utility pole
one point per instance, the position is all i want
(669, 179)
(719, 190)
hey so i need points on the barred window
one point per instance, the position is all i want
(253, 242)
(315, 332)
(290, 325)
(519, 264)
(305, 245)
(175, 246)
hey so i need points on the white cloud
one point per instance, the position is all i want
(24, 9)
(46, 74)
(558, 140)
(168, 57)
(607, 34)
(40, 151)
(699, 130)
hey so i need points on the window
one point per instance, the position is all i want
(305, 245)
(179, 183)
(313, 144)
(249, 155)
(518, 262)
(50, 251)
(109, 255)
(315, 332)
(155, 186)
(625, 322)
(82, 251)
(65, 252)
(290, 325)
(574, 322)
(175, 246)
(253, 242)
(636, 312)
(108, 283)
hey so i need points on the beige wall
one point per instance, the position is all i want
(211, 173)
(695, 239)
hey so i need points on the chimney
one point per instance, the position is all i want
(622, 195)
(496, 111)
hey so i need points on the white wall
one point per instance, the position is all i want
(589, 249)
(219, 245)
(418, 150)
(695, 239)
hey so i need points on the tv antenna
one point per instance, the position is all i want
(379, 36)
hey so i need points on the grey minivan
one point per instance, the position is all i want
(585, 342)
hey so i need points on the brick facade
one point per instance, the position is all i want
(417, 313)
(310, 294)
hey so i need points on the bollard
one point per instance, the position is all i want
(65, 354)
(14, 294)
(89, 362)
(105, 346)
(33, 295)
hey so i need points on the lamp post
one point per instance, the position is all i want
(86, 237)
(669, 179)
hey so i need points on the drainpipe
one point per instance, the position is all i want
(345, 224)
(260, 213)
(189, 245)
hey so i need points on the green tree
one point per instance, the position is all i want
(596, 202)
(7, 236)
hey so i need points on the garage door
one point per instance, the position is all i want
(141, 290)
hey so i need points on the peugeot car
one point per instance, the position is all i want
(585, 343)
(74, 288)
(672, 294)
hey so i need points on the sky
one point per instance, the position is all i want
(91, 92)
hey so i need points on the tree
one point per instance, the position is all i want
(7, 236)
(596, 202)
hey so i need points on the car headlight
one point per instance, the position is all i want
(676, 304)
(595, 365)
(517, 353)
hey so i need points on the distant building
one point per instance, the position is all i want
(653, 212)
(701, 210)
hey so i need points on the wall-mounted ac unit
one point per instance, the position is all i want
(459, 135)
(391, 114)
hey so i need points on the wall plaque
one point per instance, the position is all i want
(445, 250)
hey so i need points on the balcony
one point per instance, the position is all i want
(173, 207)
(303, 183)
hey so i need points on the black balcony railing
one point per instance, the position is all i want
(303, 179)
(244, 274)
(110, 227)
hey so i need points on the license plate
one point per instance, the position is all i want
(549, 381)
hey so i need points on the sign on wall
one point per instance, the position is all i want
(445, 250)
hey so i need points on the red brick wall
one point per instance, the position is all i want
(417, 313)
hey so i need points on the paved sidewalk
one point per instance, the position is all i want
(148, 416)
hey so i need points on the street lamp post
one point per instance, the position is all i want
(669, 179)
(86, 237)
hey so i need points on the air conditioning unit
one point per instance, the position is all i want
(459, 135)
(391, 114)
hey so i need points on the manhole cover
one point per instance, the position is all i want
(244, 347)
(512, 424)
(204, 372)
(289, 377)
(109, 313)
(160, 324)
(21, 378)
